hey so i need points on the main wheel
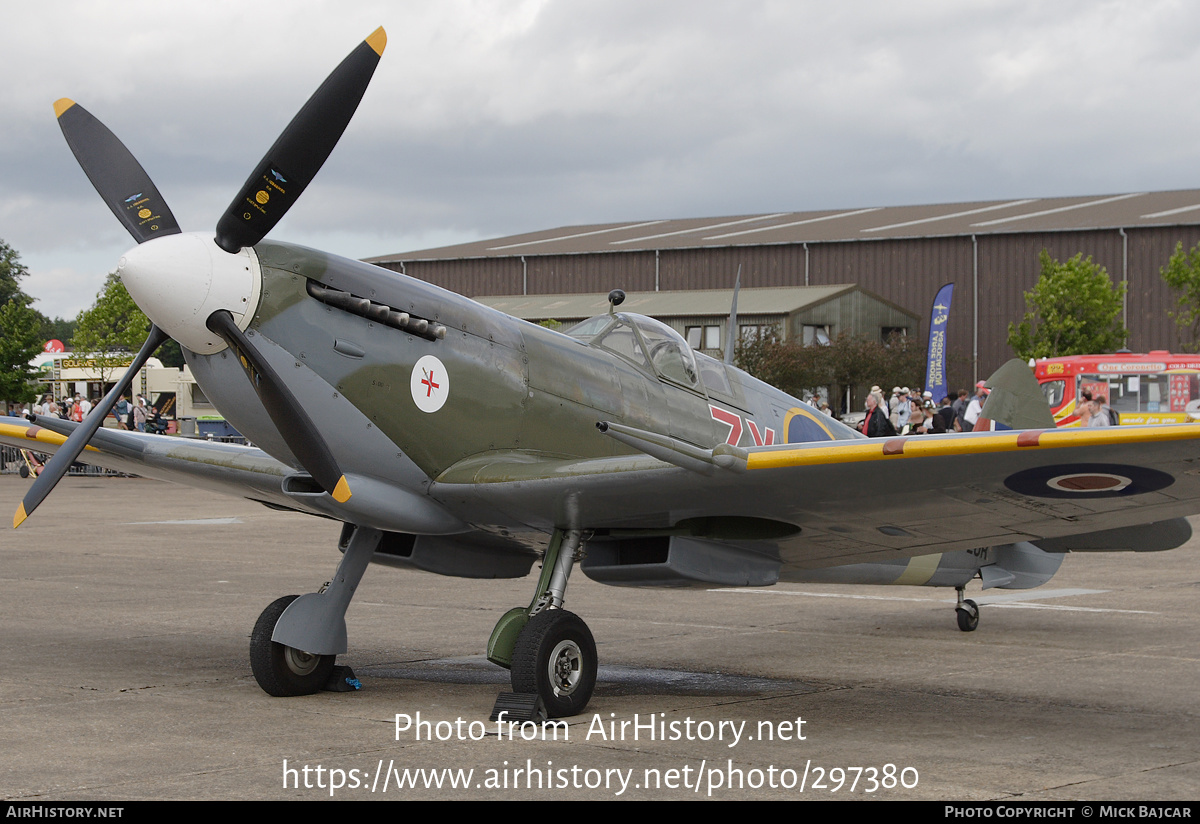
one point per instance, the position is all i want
(555, 657)
(968, 617)
(280, 670)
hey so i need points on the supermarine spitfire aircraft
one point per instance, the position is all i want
(452, 438)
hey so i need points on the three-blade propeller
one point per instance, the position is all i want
(276, 183)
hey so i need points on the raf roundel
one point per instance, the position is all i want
(1088, 480)
(430, 384)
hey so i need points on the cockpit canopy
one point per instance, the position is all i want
(646, 342)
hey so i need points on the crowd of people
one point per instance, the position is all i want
(135, 414)
(909, 412)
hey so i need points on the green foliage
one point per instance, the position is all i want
(787, 366)
(20, 342)
(111, 329)
(1182, 273)
(762, 357)
(21, 328)
(1074, 309)
(170, 354)
(848, 361)
(11, 272)
(58, 329)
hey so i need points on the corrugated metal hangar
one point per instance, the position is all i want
(809, 313)
(902, 254)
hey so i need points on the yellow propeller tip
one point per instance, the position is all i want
(61, 105)
(20, 516)
(341, 492)
(378, 40)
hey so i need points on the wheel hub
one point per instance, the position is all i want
(300, 662)
(566, 667)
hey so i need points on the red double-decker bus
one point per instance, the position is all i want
(1157, 387)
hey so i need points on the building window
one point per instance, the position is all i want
(749, 333)
(704, 337)
(816, 334)
(886, 332)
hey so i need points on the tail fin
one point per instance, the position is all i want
(1016, 400)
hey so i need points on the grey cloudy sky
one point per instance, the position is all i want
(491, 118)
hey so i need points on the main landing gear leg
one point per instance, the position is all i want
(967, 612)
(297, 638)
(550, 651)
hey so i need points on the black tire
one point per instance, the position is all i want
(968, 619)
(282, 671)
(555, 657)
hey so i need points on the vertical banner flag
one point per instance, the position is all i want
(935, 364)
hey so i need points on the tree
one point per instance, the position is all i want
(111, 330)
(847, 362)
(58, 329)
(21, 328)
(115, 324)
(11, 272)
(1074, 309)
(20, 342)
(1182, 274)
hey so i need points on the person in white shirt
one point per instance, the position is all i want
(975, 407)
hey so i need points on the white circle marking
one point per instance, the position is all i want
(430, 384)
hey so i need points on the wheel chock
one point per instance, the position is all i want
(518, 707)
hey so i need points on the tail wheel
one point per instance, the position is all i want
(555, 657)
(968, 615)
(280, 670)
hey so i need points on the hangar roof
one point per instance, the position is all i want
(1130, 210)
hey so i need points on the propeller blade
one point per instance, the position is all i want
(116, 174)
(299, 432)
(291, 164)
(58, 465)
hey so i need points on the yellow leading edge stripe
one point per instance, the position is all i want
(40, 435)
(925, 446)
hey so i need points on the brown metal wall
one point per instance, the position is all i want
(477, 276)
(575, 274)
(1149, 298)
(907, 272)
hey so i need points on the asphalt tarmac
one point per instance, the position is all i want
(128, 605)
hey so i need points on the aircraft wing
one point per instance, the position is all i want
(856, 501)
(230, 468)
(816, 504)
(246, 472)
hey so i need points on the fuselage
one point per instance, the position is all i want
(444, 378)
